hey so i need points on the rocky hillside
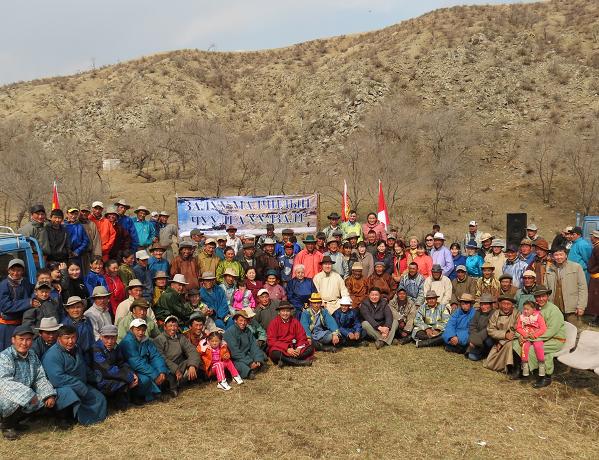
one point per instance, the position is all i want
(510, 70)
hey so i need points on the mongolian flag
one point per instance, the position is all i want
(345, 205)
(383, 215)
(55, 203)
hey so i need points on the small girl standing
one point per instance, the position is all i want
(531, 326)
(216, 358)
(243, 298)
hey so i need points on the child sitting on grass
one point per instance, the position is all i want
(216, 358)
(531, 326)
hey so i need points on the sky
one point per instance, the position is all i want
(42, 38)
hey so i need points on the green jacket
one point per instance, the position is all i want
(124, 323)
(554, 319)
(171, 303)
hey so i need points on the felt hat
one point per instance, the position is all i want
(111, 210)
(346, 300)
(529, 273)
(486, 236)
(142, 208)
(541, 290)
(180, 279)
(541, 244)
(186, 244)
(357, 266)
(309, 239)
(159, 275)
(49, 324)
(121, 202)
(488, 265)
(331, 239)
(100, 291)
(248, 246)
(232, 272)
(334, 215)
(436, 268)
(315, 297)
(461, 268)
(351, 235)
(498, 242)
(143, 303)
(284, 305)
(326, 260)
(486, 298)
(268, 241)
(506, 276)
(431, 294)
(210, 241)
(134, 283)
(465, 297)
(208, 276)
(73, 300)
(337, 232)
(527, 241)
(164, 213)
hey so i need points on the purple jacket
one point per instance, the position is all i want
(442, 256)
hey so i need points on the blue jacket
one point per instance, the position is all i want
(156, 265)
(145, 232)
(92, 280)
(309, 318)
(13, 303)
(580, 252)
(85, 335)
(216, 300)
(348, 322)
(458, 325)
(145, 276)
(69, 374)
(286, 264)
(126, 222)
(298, 292)
(143, 357)
(474, 265)
(280, 249)
(78, 238)
(457, 261)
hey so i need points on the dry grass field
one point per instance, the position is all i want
(399, 402)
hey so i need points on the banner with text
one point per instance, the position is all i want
(249, 214)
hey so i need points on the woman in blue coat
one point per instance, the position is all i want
(474, 261)
(68, 373)
(299, 289)
(457, 331)
(145, 360)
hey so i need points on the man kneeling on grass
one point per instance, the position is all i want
(430, 322)
(457, 330)
(378, 319)
(181, 357)
(246, 355)
(147, 362)
(320, 327)
(350, 326)
(286, 339)
(24, 388)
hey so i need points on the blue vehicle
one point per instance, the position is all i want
(16, 246)
(588, 224)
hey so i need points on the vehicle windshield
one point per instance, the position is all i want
(6, 257)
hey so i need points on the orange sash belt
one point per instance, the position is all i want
(10, 322)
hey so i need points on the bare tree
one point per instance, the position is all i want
(585, 169)
(544, 151)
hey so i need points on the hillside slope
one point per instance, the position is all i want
(511, 70)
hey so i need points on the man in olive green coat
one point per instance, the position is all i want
(172, 301)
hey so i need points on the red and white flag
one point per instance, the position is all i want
(383, 215)
(345, 206)
(55, 202)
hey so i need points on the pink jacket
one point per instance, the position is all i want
(244, 299)
(378, 227)
(534, 324)
(276, 292)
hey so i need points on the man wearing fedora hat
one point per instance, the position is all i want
(157, 262)
(138, 309)
(24, 388)
(461, 284)
(321, 329)
(439, 283)
(441, 255)
(246, 355)
(569, 286)
(186, 265)
(553, 338)
(330, 285)
(333, 225)
(488, 283)
(74, 308)
(98, 314)
(181, 357)
(457, 330)
(593, 268)
(496, 257)
(145, 230)
(114, 375)
(172, 300)
(47, 335)
(135, 290)
(286, 339)
(309, 257)
(267, 260)
(502, 329)
(485, 245)
(126, 222)
(479, 342)
(430, 322)
(541, 260)
(215, 299)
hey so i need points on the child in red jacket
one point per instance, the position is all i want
(531, 326)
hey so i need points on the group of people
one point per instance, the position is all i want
(103, 328)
